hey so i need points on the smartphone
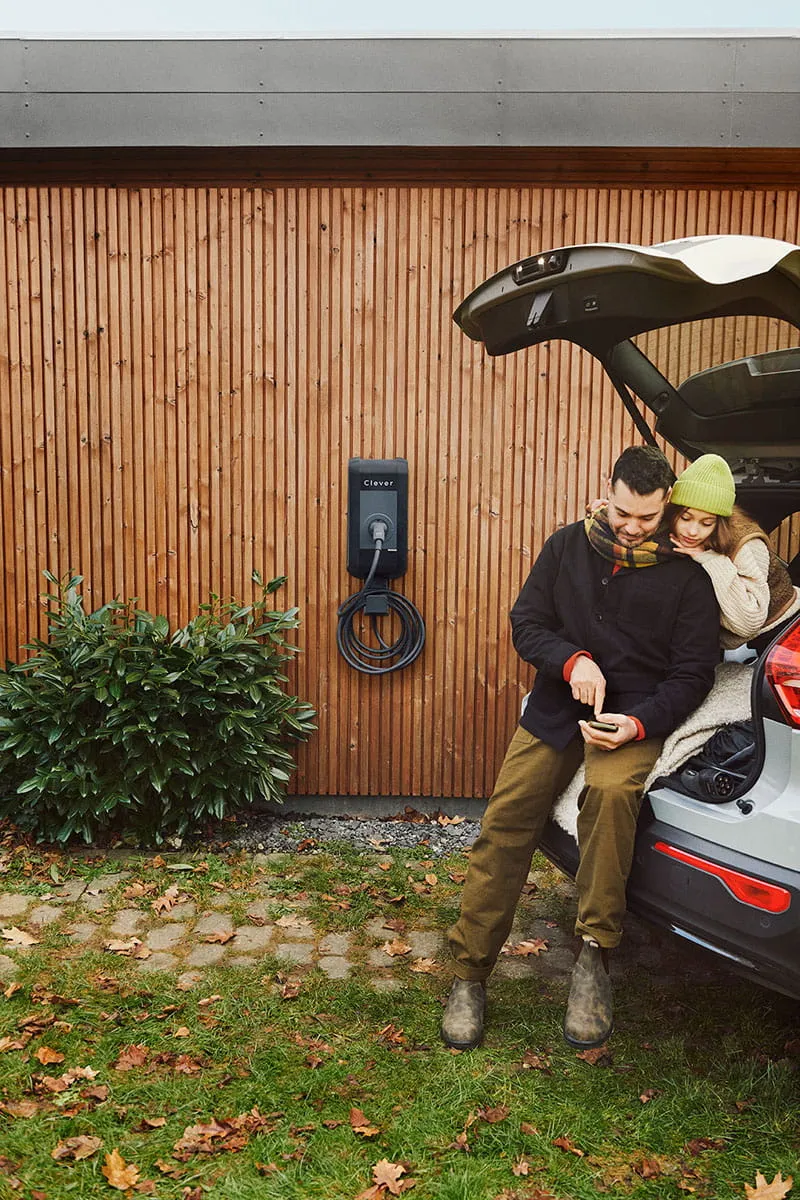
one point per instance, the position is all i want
(603, 726)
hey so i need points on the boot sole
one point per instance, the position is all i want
(576, 1045)
(460, 1045)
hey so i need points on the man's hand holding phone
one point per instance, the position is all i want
(608, 731)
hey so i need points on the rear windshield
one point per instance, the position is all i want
(683, 350)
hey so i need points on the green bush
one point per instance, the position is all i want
(114, 724)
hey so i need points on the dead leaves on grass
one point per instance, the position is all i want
(233, 1134)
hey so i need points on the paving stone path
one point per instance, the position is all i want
(93, 915)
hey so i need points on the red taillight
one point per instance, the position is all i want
(782, 672)
(755, 892)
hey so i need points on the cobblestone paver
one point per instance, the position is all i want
(241, 929)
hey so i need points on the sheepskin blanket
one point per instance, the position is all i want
(728, 701)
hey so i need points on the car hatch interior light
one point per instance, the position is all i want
(782, 672)
(540, 265)
(769, 897)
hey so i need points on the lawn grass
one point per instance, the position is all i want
(698, 1093)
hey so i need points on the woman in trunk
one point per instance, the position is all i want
(752, 584)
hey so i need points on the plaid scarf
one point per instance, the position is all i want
(648, 554)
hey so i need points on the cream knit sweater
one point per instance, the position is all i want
(740, 585)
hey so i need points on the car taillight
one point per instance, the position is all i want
(755, 892)
(782, 673)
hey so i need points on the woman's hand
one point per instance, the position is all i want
(690, 551)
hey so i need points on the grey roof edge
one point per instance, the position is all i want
(404, 35)
(717, 92)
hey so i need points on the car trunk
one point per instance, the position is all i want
(609, 299)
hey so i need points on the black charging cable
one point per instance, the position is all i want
(377, 601)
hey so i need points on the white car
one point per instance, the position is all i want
(718, 861)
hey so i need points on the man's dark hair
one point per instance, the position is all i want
(644, 469)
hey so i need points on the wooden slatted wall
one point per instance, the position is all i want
(184, 372)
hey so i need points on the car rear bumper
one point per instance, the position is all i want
(698, 906)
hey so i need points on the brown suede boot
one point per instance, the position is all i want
(462, 1023)
(589, 1017)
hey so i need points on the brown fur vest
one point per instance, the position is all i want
(781, 589)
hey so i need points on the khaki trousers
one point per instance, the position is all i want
(533, 774)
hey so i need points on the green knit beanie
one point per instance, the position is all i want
(706, 484)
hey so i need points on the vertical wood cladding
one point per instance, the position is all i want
(184, 372)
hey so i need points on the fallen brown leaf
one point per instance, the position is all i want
(186, 1065)
(524, 949)
(698, 1145)
(536, 1062)
(125, 949)
(493, 1115)
(648, 1168)
(135, 891)
(131, 1057)
(396, 924)
(291, 921)
(46, 1056)
(166, 902)
(120, 1175)
(221, 937)
(776, 1190)
(148, 1123)
(24, 1109)
(170, 1169)
(597, 1056)
(387, 1175)
(396, 948)
(10, 1043)
(391, 1034)
(182, 1032)
(12, 990)
(361, 1125)
(76, 1148)
(564, 1143)
(18, 937)
(526, 1128)
(424, 966)
(289, 987)
(521, 1167)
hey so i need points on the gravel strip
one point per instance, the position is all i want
(285, 832)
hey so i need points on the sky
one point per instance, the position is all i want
(361, 17)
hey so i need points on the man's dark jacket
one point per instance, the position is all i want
(653, 631)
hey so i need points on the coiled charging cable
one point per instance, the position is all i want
(377, 602)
